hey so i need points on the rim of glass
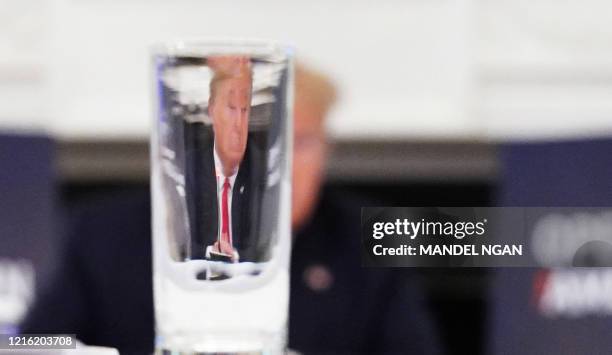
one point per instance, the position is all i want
(203, 47)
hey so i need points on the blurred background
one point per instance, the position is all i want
(443, 102)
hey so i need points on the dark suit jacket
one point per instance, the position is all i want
(103, 290)
(202, 201)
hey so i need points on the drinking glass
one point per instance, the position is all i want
(221, 204)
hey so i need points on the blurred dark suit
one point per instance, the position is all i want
(103, 292)
(201, 195)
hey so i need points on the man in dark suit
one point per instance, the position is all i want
(223, 180)
(205, 200)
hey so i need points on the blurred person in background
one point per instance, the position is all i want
(103, 290)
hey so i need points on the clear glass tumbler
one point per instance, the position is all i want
(220, 184)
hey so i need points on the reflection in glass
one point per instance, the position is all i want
(221, 197)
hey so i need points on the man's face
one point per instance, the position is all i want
(309, 151)
(230, 110)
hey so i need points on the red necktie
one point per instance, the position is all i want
(225, 234)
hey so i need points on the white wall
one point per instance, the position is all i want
(24, 38)
(415, 69)
(544, 68)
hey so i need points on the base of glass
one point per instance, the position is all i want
(175, 352)
(244, 343)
